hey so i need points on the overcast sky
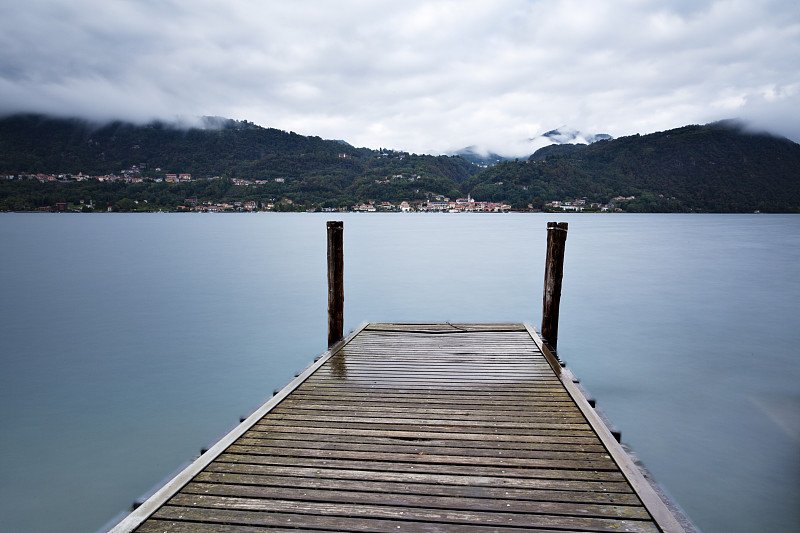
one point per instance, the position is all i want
(422, 76)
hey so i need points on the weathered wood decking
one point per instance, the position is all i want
(425, 428)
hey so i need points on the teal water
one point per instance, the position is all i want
(130, 341)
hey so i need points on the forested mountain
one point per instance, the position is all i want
(305, 170)
(719, 167)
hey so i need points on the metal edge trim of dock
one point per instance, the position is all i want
(136, 517)
(650, 499)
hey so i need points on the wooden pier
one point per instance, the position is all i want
(416, 428)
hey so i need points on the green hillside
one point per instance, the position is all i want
(714, 168)
(718, 167)
(307, 171)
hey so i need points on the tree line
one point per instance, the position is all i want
(718, 167)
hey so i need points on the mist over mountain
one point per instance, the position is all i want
(479, 156)
(566, 135)
(486, 157)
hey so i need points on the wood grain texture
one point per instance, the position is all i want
(335, 281)
(553, 274)
(417, 427)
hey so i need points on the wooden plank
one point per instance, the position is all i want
(156, 525)
(410, 430)
(494, 421)
(363, 445)
(423, 411)
(432, 398)
(444, 327)
(411, 467)
(487, 390)
(315, 417)
(422, 475)
(403, 499)
(454, 442)
(316, 522)
(397, 455)
(210, 507)
(423, 489)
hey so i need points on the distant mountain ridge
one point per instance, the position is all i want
(299, 169)
(718, 167)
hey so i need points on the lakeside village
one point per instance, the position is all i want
(436, 203)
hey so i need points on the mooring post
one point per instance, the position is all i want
(553, 272)
(335, 282)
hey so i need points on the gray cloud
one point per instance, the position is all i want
(422, 76)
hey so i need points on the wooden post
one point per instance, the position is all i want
(553, 272)
(335, 282)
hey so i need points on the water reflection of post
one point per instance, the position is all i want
(553, 272)
(338, 367)
(335, 282)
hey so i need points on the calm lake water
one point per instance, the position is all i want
(130, 341)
